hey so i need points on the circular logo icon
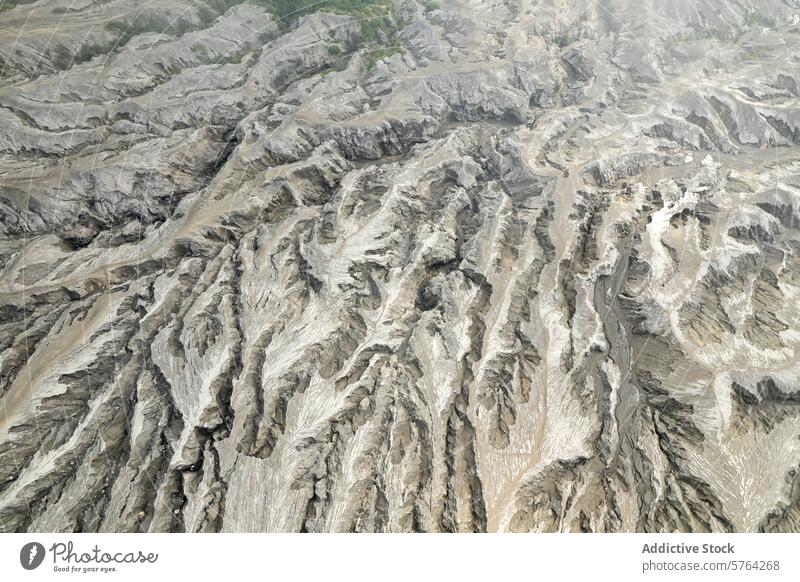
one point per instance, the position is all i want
(31, 555)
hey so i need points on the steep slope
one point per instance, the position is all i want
(414, 266)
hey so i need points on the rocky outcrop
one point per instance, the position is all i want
(480, 266)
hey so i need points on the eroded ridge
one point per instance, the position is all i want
(470, 266)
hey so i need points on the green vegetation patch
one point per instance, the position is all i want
(378, 54)
(373, 15)
(124, 31)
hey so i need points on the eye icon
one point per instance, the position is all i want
(31, 555)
